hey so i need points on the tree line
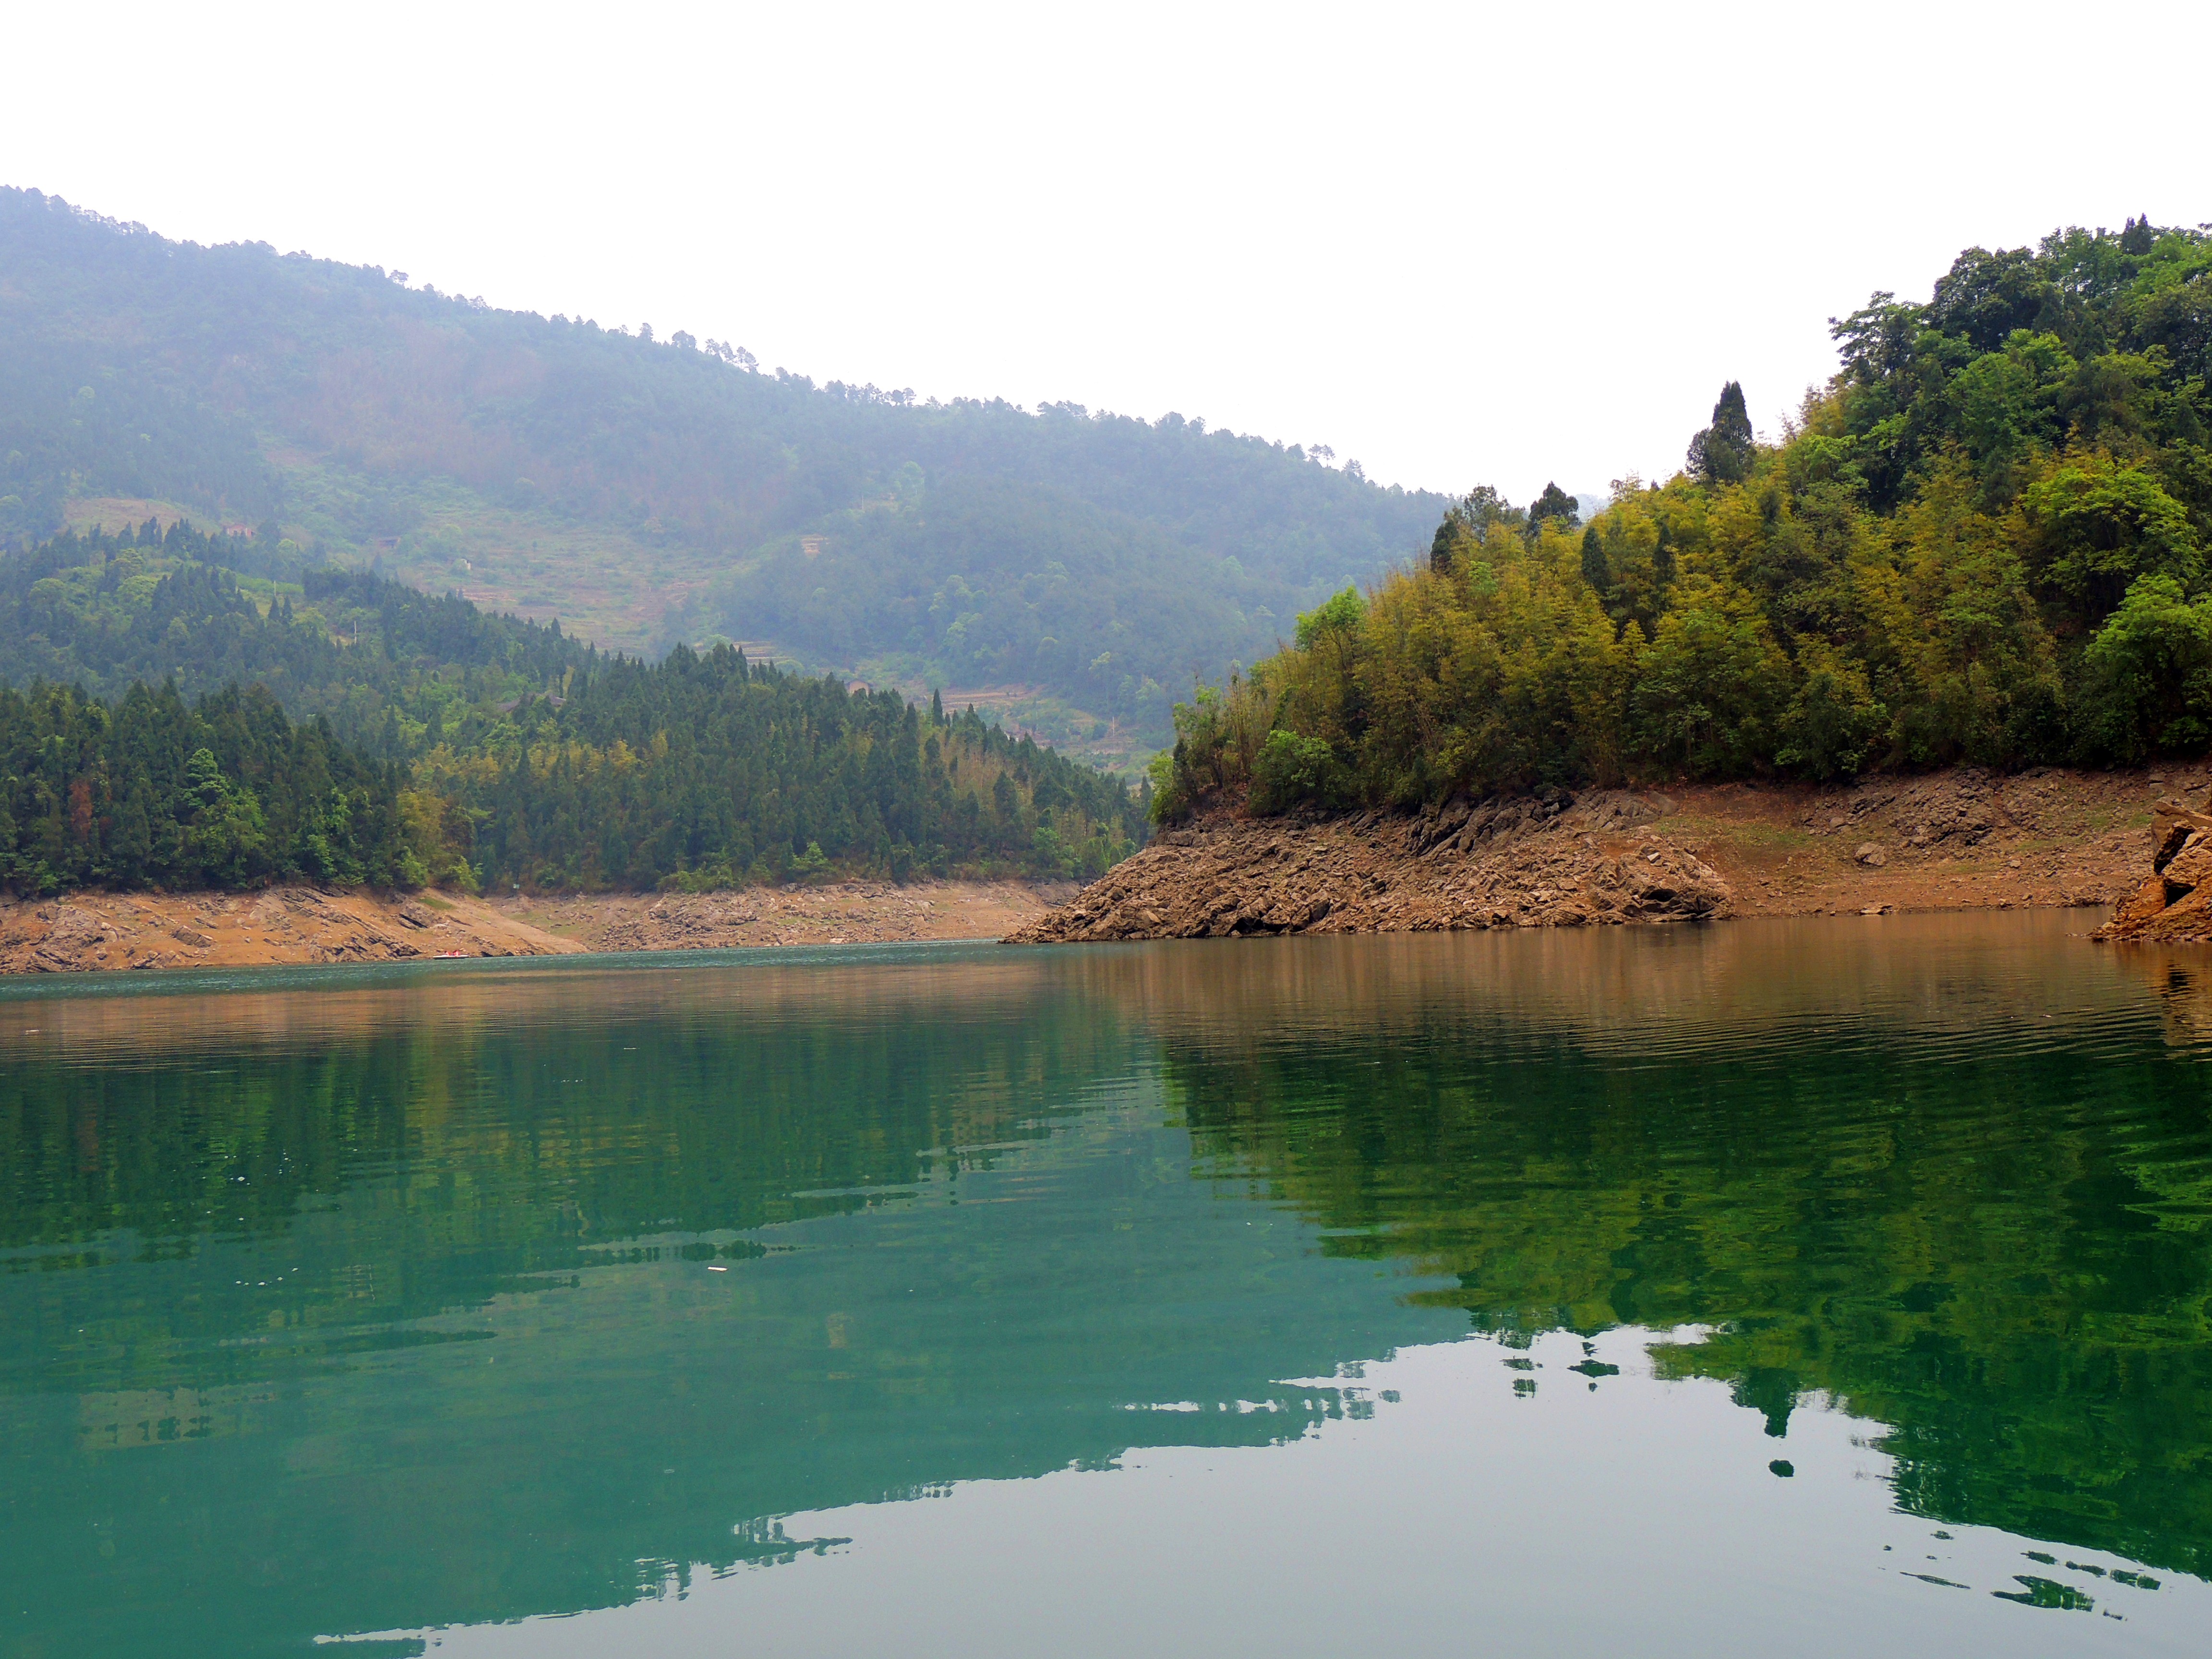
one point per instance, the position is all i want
(1984, 541)
(347, 729)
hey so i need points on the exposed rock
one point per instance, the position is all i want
(1537, 860)
(1870, 855)
(2174, 903)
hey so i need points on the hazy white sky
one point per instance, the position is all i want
(1461, 243)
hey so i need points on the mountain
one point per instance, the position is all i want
(1083, 567)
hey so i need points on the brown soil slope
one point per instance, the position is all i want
(1954, 840)
(87, 932)
(851, 913)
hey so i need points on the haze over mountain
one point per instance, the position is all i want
(649, 490)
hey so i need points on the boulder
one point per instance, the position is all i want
(2174, 902)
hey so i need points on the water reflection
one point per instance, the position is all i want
(436, 1299)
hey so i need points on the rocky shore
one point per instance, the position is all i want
(1956, 839)
(2173, 905)
(1549, 860)
(1961, 839)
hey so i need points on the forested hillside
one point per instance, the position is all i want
(377, 658)
(1984, 541)
(173, 722)
(648, 489)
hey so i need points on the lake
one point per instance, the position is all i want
(1776, 1286)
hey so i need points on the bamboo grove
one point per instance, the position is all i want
(1984, 541)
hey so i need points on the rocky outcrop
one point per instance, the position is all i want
(1548, 860)
(1962, 838)
(2174, 903)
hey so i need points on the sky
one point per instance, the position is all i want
(1459, 244)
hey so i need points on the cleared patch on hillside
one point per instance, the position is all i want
(606, 585)
(114, 514)
(1031, 711)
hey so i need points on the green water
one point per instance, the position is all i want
(1765, 1287)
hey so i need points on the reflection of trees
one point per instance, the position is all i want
(389, 1311)
(531, 1122)
(1989, 1239)
(400, 1267)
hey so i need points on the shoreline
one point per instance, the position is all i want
(1947, 842)
(99, 932)
(1960, 840)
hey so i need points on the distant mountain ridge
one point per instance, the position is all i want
(648, 491)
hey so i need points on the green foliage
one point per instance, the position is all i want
(2150, 673)
(395, 670)
(226, 792)
(1722, 452)
(1705, 688)
(1834, 721)
(488, 750)
(705, 769)
(2096, 524)
(1218, 737)
(1342, 614)
(1291, 767)
(1985, 542)
(1465, 522)
(1554, 503)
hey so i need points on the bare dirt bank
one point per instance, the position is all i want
(88, 932)
(1956, 839)
(849, 912)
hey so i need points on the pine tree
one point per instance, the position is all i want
(1722, 453)
(1595, 571)
(1554, 503)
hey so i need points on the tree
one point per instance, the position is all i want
(1834, 719)
(2096, 524)
(1554, 503)
(1705, 685)
(1722, 453)
(2150, 669)
(1465, 523)
(1596, 572)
